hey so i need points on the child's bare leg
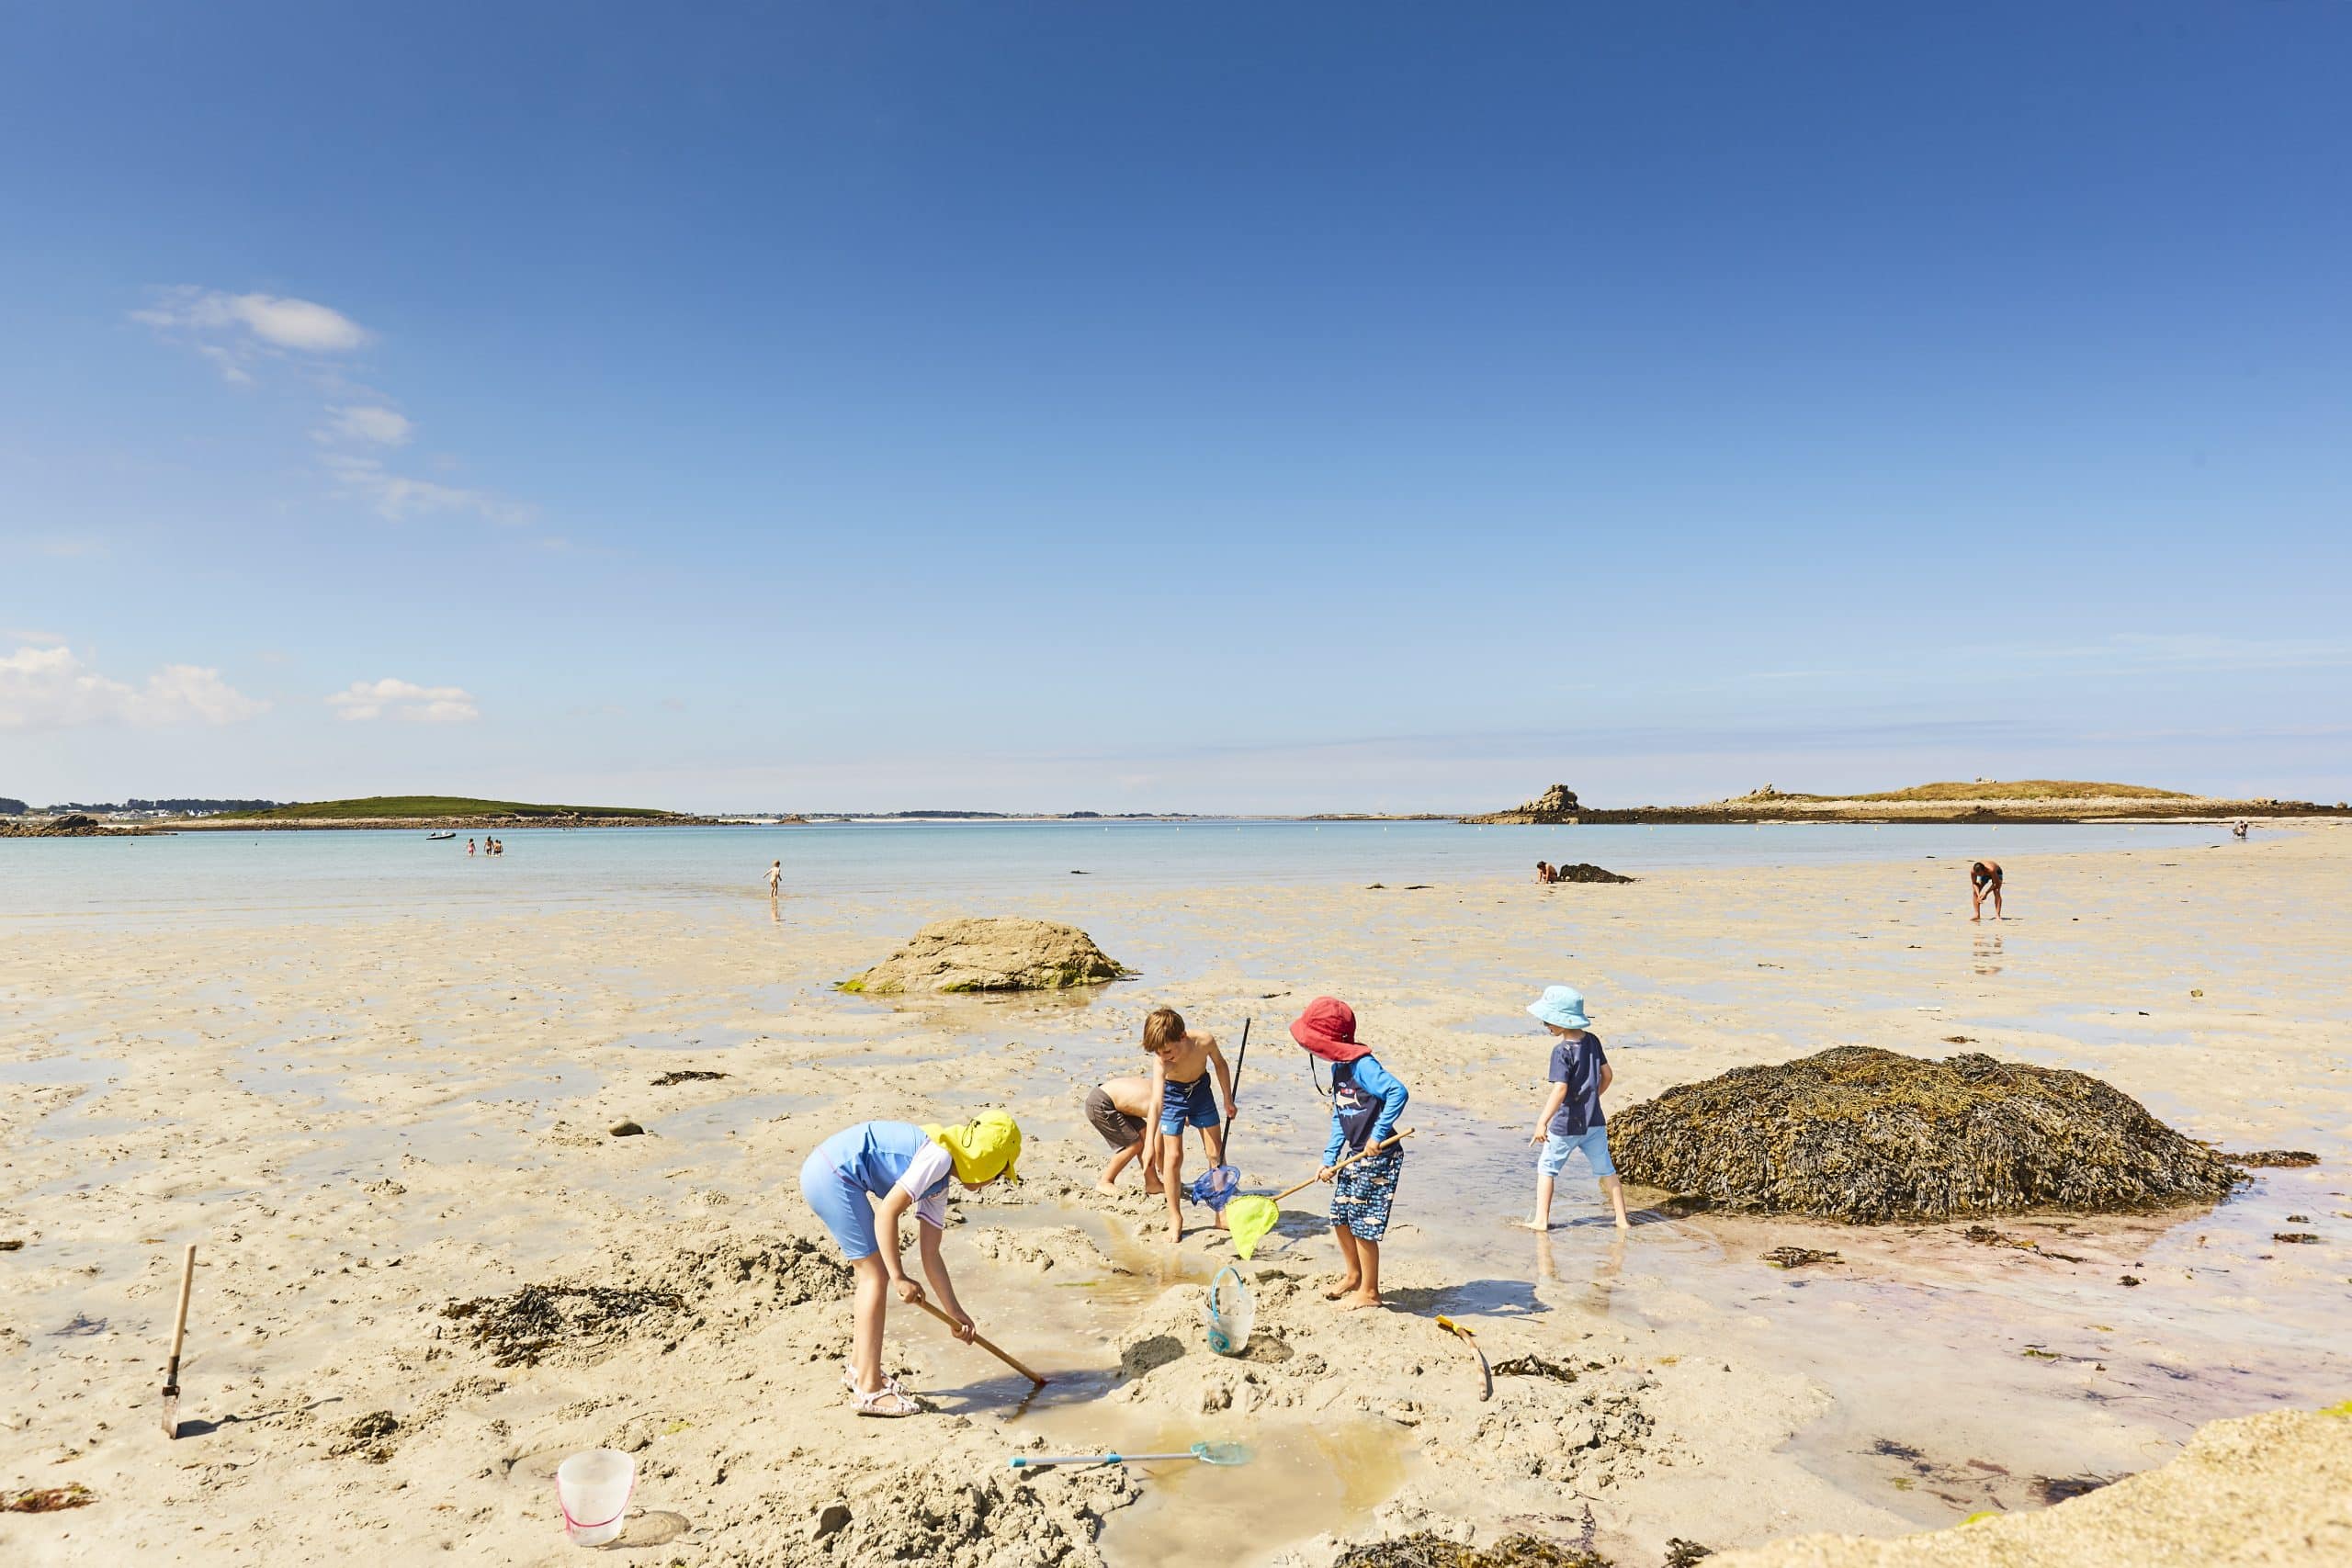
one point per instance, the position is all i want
(1543, 1220)
(1351, 1259)
(1109, 1181)
(1367, 1293)
(1614, 1191)
(866, 1341)
(1171, 1181)
(1212, 1143)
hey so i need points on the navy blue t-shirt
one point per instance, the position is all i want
(1578, 1063)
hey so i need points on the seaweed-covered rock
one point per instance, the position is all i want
(1585, 870)
(1865, 1135)
(997, 953)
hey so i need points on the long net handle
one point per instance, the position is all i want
(982, 1340)
(1386, 1144)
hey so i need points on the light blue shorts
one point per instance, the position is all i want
(1593, 1141)
(841, 1204)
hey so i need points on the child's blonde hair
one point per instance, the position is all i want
(1163, 1029)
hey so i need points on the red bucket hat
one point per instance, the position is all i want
(1327, 1029)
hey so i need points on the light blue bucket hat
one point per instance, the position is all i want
(1561, 1005)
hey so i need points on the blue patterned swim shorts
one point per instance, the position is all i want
(1363, 1192)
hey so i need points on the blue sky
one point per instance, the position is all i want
(1207, 407)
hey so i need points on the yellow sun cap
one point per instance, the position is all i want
(982, 1149)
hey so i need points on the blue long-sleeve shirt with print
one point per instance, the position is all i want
(1372, 1079)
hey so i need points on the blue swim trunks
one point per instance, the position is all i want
(1593, 1141)
(1183, 1105)
(1363, 1192)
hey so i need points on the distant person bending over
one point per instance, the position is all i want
(2238, 828)
(1571, 1120)
(1984, 880)
(1544, 873)
(776, 878)
(1181, 1098)
(1123, 1112)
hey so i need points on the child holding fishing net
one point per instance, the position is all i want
(859, 1181)
(1366, 1100)
(1181, 1098)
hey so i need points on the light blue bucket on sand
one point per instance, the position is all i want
(1229, 1313)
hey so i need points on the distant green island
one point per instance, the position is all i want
(433, 809)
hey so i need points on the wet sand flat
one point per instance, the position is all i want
(363, 1118)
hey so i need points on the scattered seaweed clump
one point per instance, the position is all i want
(368, 1437)
(2259, 1159)
(47, 1499)
(1865, 1136)
(1585, 870)
(1424, 1549)
(1799, 1257)
(687, 1075)
(573, 1323)
(997, 953)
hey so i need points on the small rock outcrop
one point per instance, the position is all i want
(1556, 805)
(1865, 1135)
(997, 953)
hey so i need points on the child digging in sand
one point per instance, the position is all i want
(1181, 1097)
(1366, 1100)
(859, 1181)
(1123, 1112)
(1571, 1120)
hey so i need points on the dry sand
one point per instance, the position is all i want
(363, 1118)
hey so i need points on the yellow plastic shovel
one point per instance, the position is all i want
(1248, 1217)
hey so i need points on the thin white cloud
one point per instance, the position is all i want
(224, 320)
(367, 421)
(244, 335)
(391, 698)
(397, 497)
(50, 688)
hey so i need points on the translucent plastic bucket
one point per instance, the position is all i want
(592, 1490)
(1229, 1313)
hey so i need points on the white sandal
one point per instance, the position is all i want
(890, 1401)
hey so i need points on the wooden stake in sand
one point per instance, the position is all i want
(984, 1343)
(179, 1333)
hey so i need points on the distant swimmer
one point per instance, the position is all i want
(776, 878)
(469, 846)
(1984, 878)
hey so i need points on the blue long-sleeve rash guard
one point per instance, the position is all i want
(1373, 1079)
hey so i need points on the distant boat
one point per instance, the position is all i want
(444, 833)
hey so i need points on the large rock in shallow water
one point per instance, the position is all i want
(1004, 953)
(1865, 1135)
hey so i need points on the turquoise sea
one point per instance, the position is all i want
(229, 872)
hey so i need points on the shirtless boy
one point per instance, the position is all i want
(1179, 1096)
(1123, 1112)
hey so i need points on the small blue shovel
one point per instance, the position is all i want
(1207, 1453)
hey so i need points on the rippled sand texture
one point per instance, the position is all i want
(363, 1118)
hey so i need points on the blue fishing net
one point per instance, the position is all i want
(1214, 1187)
